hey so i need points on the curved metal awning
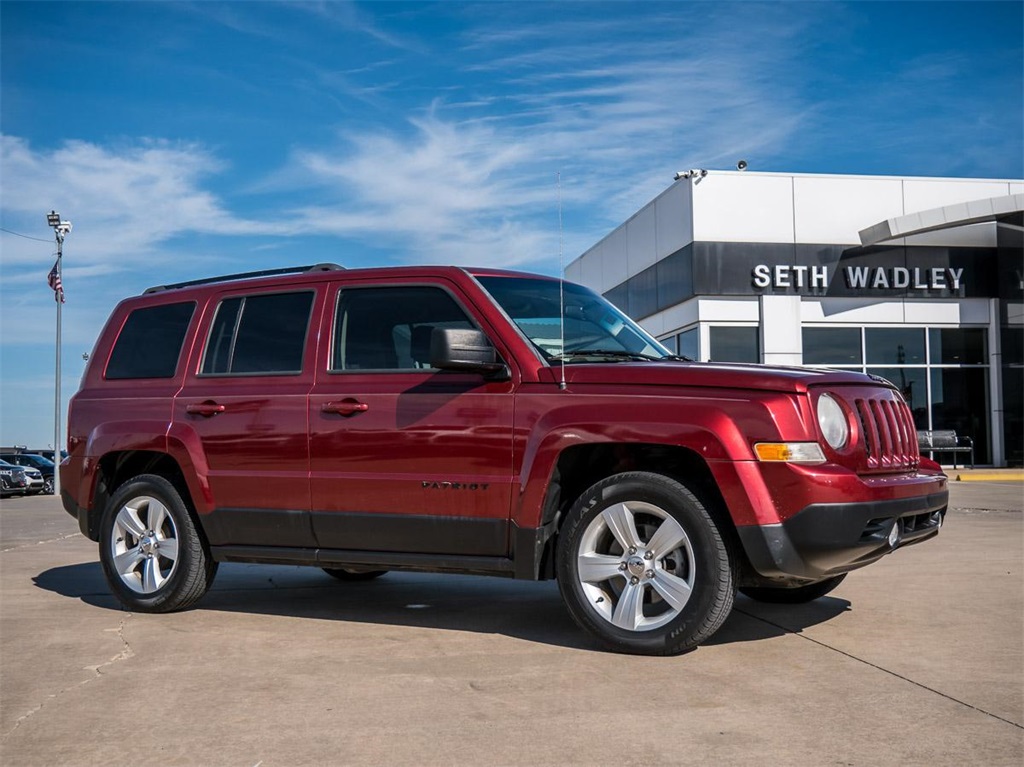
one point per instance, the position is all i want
(948, 217)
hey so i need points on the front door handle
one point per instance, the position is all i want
(347, 407)
(205, 409)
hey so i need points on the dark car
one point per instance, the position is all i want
(13, 480)
(32, 461)
(48, 454)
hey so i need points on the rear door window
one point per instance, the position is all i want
(150, 342)
(261, 334)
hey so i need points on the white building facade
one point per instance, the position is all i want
(918, 280)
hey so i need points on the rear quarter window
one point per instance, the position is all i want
(150, 342)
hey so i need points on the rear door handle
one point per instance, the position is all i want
(347, 407)
(205, 409)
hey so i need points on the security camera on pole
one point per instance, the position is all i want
(60, 231)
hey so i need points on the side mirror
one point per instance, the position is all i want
(465, 350)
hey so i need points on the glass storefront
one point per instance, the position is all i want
(942, 372)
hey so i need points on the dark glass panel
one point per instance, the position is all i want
(149, 344)
(731, 344)
(960, 402)
(643, 293)
(913, 385)
(391, 328)
(271, 335)
(689, 344)
(958, 346)
(895, 346)
(619, 296)
(832, 346)
(675, 278)
(217, 359)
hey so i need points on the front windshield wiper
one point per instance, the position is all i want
(617, 354)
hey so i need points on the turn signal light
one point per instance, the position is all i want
(789, 452)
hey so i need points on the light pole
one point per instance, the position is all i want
(60, 231)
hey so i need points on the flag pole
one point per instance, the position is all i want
(60, 230)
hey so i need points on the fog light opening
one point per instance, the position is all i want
(894, 534)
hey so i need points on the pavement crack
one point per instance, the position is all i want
(41, 543)
(884, 670)
(98, 670)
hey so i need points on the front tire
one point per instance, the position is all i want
(643, 567)
(152, 555)
(795, 596)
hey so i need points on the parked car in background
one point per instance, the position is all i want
(12, 479)
(45, 467)
(48, 454)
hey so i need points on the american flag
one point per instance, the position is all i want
(54, 280)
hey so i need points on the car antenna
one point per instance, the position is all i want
(561, 285)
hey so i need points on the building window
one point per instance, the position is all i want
(942, 373)
(832, 346)
(734, 344)
(689, 344)
(894, 346)
(685, 344)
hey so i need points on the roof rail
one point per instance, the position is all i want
(246, 275)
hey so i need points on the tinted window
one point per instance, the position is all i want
(150, 342)
(912, 383)
(390, 328)
(832, 346)
(734, 344)
(958, 346)
(259, 334)
(689, 344)
(895, 346)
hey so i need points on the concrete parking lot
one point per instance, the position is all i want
(915, 660)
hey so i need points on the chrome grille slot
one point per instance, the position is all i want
(888, 433)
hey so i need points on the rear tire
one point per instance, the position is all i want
(347, 574)
(643, 567)
(152, 555)
(796, 596)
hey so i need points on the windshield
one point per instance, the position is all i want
(593, 327)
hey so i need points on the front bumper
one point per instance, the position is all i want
(826, 539)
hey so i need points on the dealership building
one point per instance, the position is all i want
(918, 280)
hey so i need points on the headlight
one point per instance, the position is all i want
(832, 421)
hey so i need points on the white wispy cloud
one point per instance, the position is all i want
(128, 200)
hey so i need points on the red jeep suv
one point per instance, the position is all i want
(477, 421)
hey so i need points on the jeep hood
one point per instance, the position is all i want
(710, 375)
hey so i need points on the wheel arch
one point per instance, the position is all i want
(578, 467)
(115, 468)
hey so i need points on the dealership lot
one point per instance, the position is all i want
(915, 660)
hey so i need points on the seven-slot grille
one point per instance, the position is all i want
(887, 428)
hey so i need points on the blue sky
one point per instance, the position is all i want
(191, 139)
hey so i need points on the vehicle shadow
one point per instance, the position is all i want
(521, 609)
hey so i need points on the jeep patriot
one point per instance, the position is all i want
(456, 420)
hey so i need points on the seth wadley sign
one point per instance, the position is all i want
(863, 277)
